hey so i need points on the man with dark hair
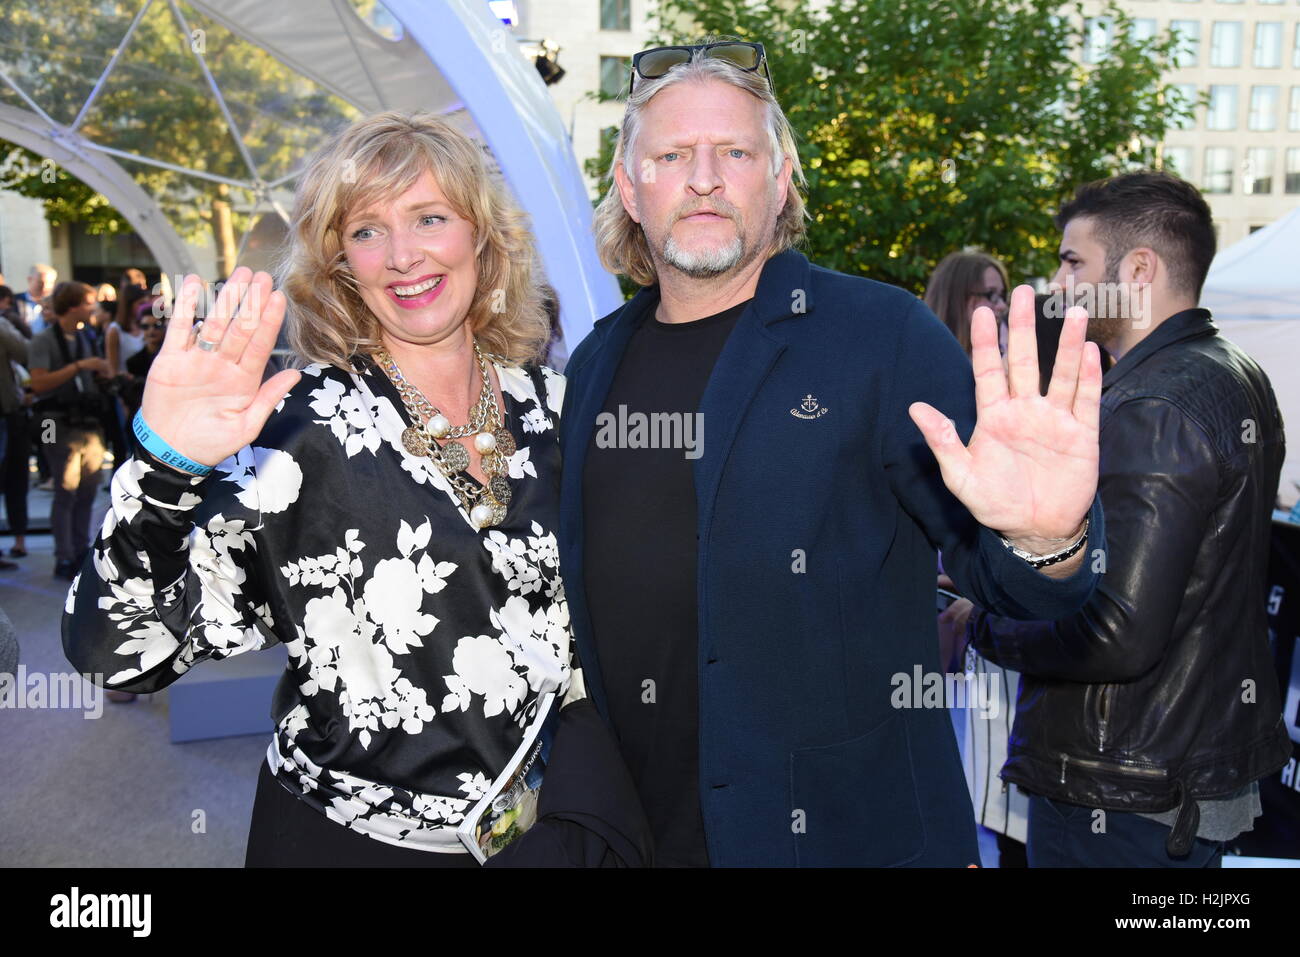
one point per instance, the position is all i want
(68, 414)
(1145, 719)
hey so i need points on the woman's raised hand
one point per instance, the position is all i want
(207, 403)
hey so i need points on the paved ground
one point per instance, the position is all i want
(111, 790)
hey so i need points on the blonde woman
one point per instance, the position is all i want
(388, 511)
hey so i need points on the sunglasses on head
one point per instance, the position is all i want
(652, 64)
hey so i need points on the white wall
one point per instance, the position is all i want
(24, 237)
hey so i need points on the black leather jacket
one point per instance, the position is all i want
(1161, 690)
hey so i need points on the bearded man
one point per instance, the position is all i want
(747, 594)
(1145, 720)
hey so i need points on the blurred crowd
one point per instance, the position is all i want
(73, 361)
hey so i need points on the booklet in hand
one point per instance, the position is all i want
(509, 808)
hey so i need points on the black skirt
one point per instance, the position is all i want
(285, 832)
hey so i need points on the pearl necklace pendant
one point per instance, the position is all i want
(438, 425)
(481, 516)
(485, 442)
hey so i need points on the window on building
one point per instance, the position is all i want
(1144, 28)
(1222, 111)
(1178, 160)
(1217, 176)
(1225, 43)
(1097, 33)
(613, 75)
(1293, 111)
(1268, 45)
(1263, 108)
(1257, 173)
(1188, 51)
(1292, 183)
(1295, 48)
(616, 14)
(1186, 99)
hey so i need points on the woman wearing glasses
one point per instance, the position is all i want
(960, 284)
(137, 367)
(387, 512)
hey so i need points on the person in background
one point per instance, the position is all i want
(105, 308)
(13, 350)
(66, 376)
(9, 650)
(961, 283)
(42, 461)
(1155, 709)
(137, 367)
(122, 340)
(10, 312)
(40, 281)
(15, 479)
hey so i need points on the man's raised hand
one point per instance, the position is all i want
(1030, 470)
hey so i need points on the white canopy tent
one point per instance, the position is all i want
(1253, 290)
(82, 85)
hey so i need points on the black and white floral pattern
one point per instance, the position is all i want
(419, 646)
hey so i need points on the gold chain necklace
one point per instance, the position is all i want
(486, 503)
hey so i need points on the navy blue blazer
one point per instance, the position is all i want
(820, 508)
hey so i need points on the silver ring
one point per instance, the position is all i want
(206, 345)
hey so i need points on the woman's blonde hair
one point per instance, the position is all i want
(620, 240)
(378, 158)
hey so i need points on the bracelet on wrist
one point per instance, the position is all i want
(156, 446)
(1052, 558)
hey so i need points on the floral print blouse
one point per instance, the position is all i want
(419, 646)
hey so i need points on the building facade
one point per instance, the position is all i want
(597, 39)
(1242, 148)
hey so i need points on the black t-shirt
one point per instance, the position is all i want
(639, 514)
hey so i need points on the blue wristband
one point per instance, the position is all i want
(153, 443)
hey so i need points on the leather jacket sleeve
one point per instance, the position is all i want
(1158, 485)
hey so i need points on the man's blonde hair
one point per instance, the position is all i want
(620, 240)
(378, 158)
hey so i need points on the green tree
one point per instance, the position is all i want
(924, 128)
(157, 103)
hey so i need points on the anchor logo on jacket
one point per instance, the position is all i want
(811, 410)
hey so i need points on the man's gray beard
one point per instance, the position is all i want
(703, 265)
